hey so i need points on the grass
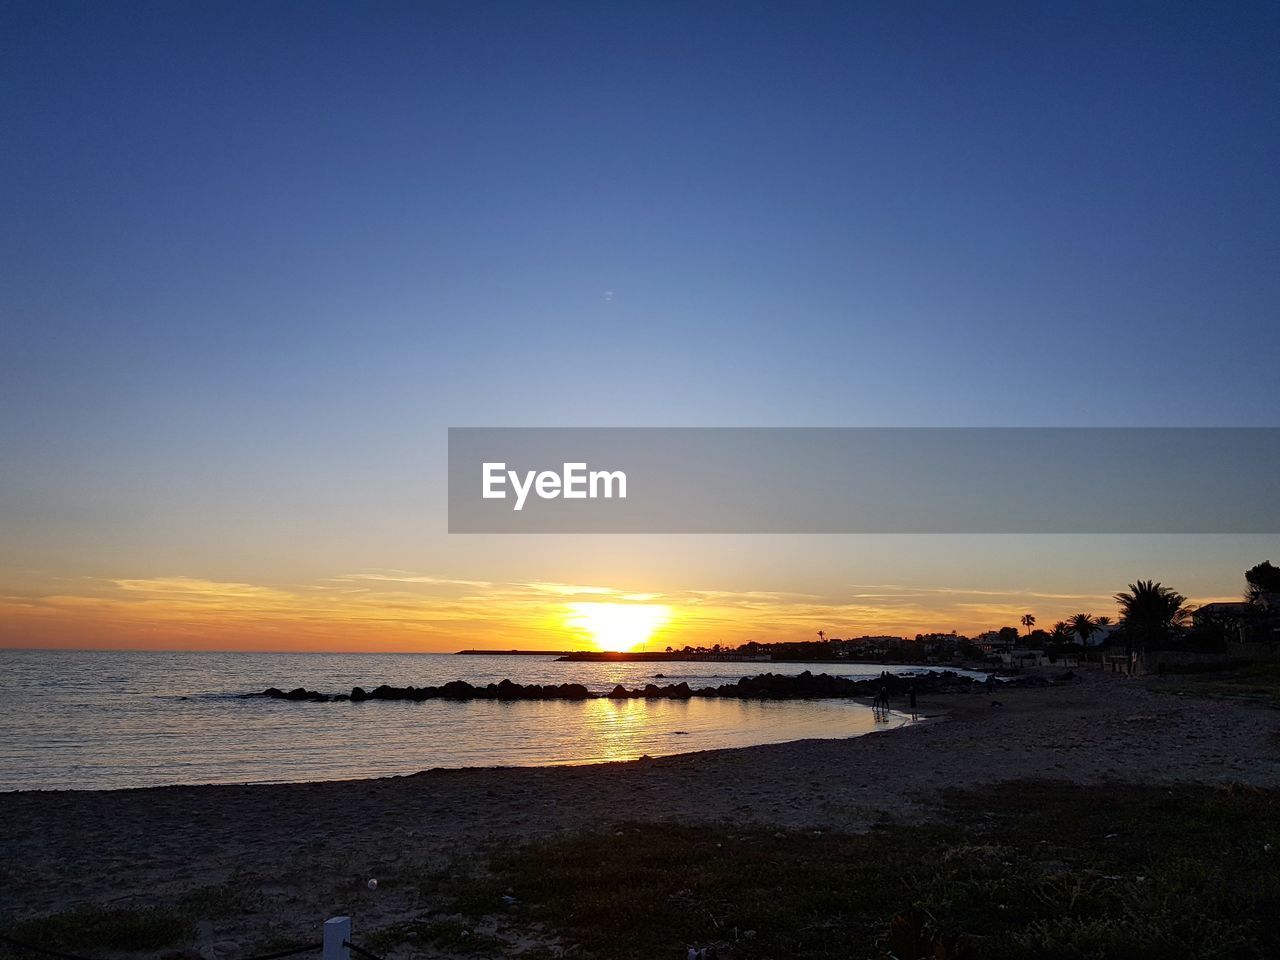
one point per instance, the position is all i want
(100, 928)
(129, 929)
(1023, 869)
(1257, 682)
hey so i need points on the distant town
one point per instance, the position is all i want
(1155, 630)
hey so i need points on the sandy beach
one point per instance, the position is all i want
(300, 852)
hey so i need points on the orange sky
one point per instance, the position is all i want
(388, 610)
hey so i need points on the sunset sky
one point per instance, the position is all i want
(259, 257)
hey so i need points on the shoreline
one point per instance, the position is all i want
(903, 721)
(300, 848)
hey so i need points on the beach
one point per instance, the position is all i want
(300, 852)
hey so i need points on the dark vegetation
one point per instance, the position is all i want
(100, 928)
(1024, 869)
(1029, 869)
(1256, 682)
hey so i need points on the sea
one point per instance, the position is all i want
(104, 720)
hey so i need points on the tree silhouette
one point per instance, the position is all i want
(1028, 621)
(1263, 578)
(1084, 626)
(1149, 612)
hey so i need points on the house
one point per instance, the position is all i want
(1099, 638)
(1240, 621)
(864, 647)
(997, 642)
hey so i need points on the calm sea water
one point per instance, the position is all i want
(107, 719)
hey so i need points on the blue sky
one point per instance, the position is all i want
(260, 256)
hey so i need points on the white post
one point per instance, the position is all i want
(337, 933)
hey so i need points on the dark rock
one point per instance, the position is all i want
(765, 686)
(458, 690)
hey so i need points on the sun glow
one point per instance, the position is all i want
(617, 627)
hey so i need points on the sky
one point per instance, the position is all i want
(259, 257)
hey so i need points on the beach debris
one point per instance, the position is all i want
(372, 884)
(720, 950)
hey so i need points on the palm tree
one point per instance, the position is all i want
(822, 636)
(1055, 640)
(1028, 621)
(1149, 612)
(1083, 626)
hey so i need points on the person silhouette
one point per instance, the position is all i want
(882, 698)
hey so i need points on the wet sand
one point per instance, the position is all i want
(304, 851)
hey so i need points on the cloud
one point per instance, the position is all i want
(404, 609)
(193, 587)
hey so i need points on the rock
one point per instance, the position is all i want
(458, 690)
(765, 686)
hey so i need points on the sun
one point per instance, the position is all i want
(617, 627)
